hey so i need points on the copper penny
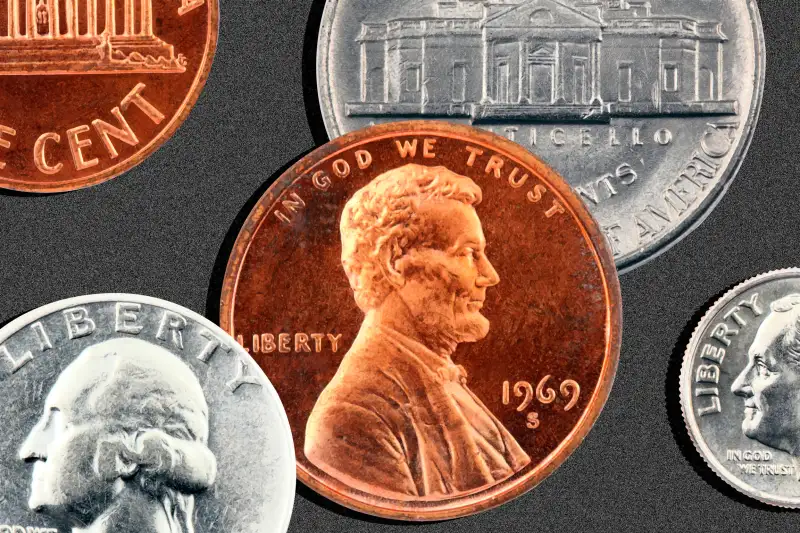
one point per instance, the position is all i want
(438, 312)
(89, 88)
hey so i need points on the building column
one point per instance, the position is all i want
(30, 19)
(558, 74)
(147, 18)
(595, 70)
(52, 8)
(91, 18)
(487, 70)
(129, 9)
(111, 20)
(75, 18)
(13, 19)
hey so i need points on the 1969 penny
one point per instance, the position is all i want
(90, 88)
(438, 311)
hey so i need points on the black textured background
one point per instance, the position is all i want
(166, 227)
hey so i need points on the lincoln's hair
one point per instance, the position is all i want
(154, 420)
(381, 223)
(790, 338)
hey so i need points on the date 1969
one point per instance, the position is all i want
(569, 389)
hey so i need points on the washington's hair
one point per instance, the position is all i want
(155, 424)
(790, 338)
(381, 222)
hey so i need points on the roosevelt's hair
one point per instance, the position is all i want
(790, 336)
(381, 222)
(155, 424)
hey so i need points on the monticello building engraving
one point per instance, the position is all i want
(542, 60)
(82, 37)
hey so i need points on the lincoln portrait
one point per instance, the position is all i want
(398, 419)
(122, 443)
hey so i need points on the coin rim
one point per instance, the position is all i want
(402, 510)
(26, 319)
(651, 250)
(687, 410)
(177, 120)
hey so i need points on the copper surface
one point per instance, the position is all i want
(89, 88)
(443, 327)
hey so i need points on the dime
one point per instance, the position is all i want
(437, 309)
(124, 413)
(740, 387)
(88, 89)
(646, 108)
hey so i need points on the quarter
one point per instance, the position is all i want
(124, 413)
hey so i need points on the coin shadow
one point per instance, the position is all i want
(309, 73)
(221, 262)
(676, 421)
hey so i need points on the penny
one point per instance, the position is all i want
(438, 311)
(646, 108)
(739, 387)
(89, 89)
(126, 413)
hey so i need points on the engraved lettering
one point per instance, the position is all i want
(554, 210)
(318, 337)
(41, 336)
(321, 180)
(612, 237)
(173, 324)
(293, 204)
(363, 159)
(558, 136)
(334, 339)
(612, 137)
(16, 364)
(707, 374)
(663, 136)
(473, 154)
(5, 143)
(427, 148)
(40, 157)
(517, 182)
(714, 407)
(241, 377)
(135, 97)
(495, 165)
(301, 343)
(341, 168)
(586, 138)
(211, 346)
(76, 144)
(126, 318)
(407, 148)
(712, 353)
(536, 194)
(752, 304)
(635, 134)
(284, 340)
(722, 332)
(78, 322)
(124, 133)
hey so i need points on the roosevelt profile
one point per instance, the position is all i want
(398, 419)
(122, 444)
(770, 382)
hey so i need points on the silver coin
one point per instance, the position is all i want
(645, 107)
(740, 387)
(128, 414)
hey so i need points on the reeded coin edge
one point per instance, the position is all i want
(40, 312)
(510, 489)
(686, 393)
(186, 106)
(643, 254)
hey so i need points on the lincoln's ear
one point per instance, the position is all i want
(110, 462)
(391, 261)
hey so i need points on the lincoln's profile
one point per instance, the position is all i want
(770, 383)
(122, 444)
(398, 420)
